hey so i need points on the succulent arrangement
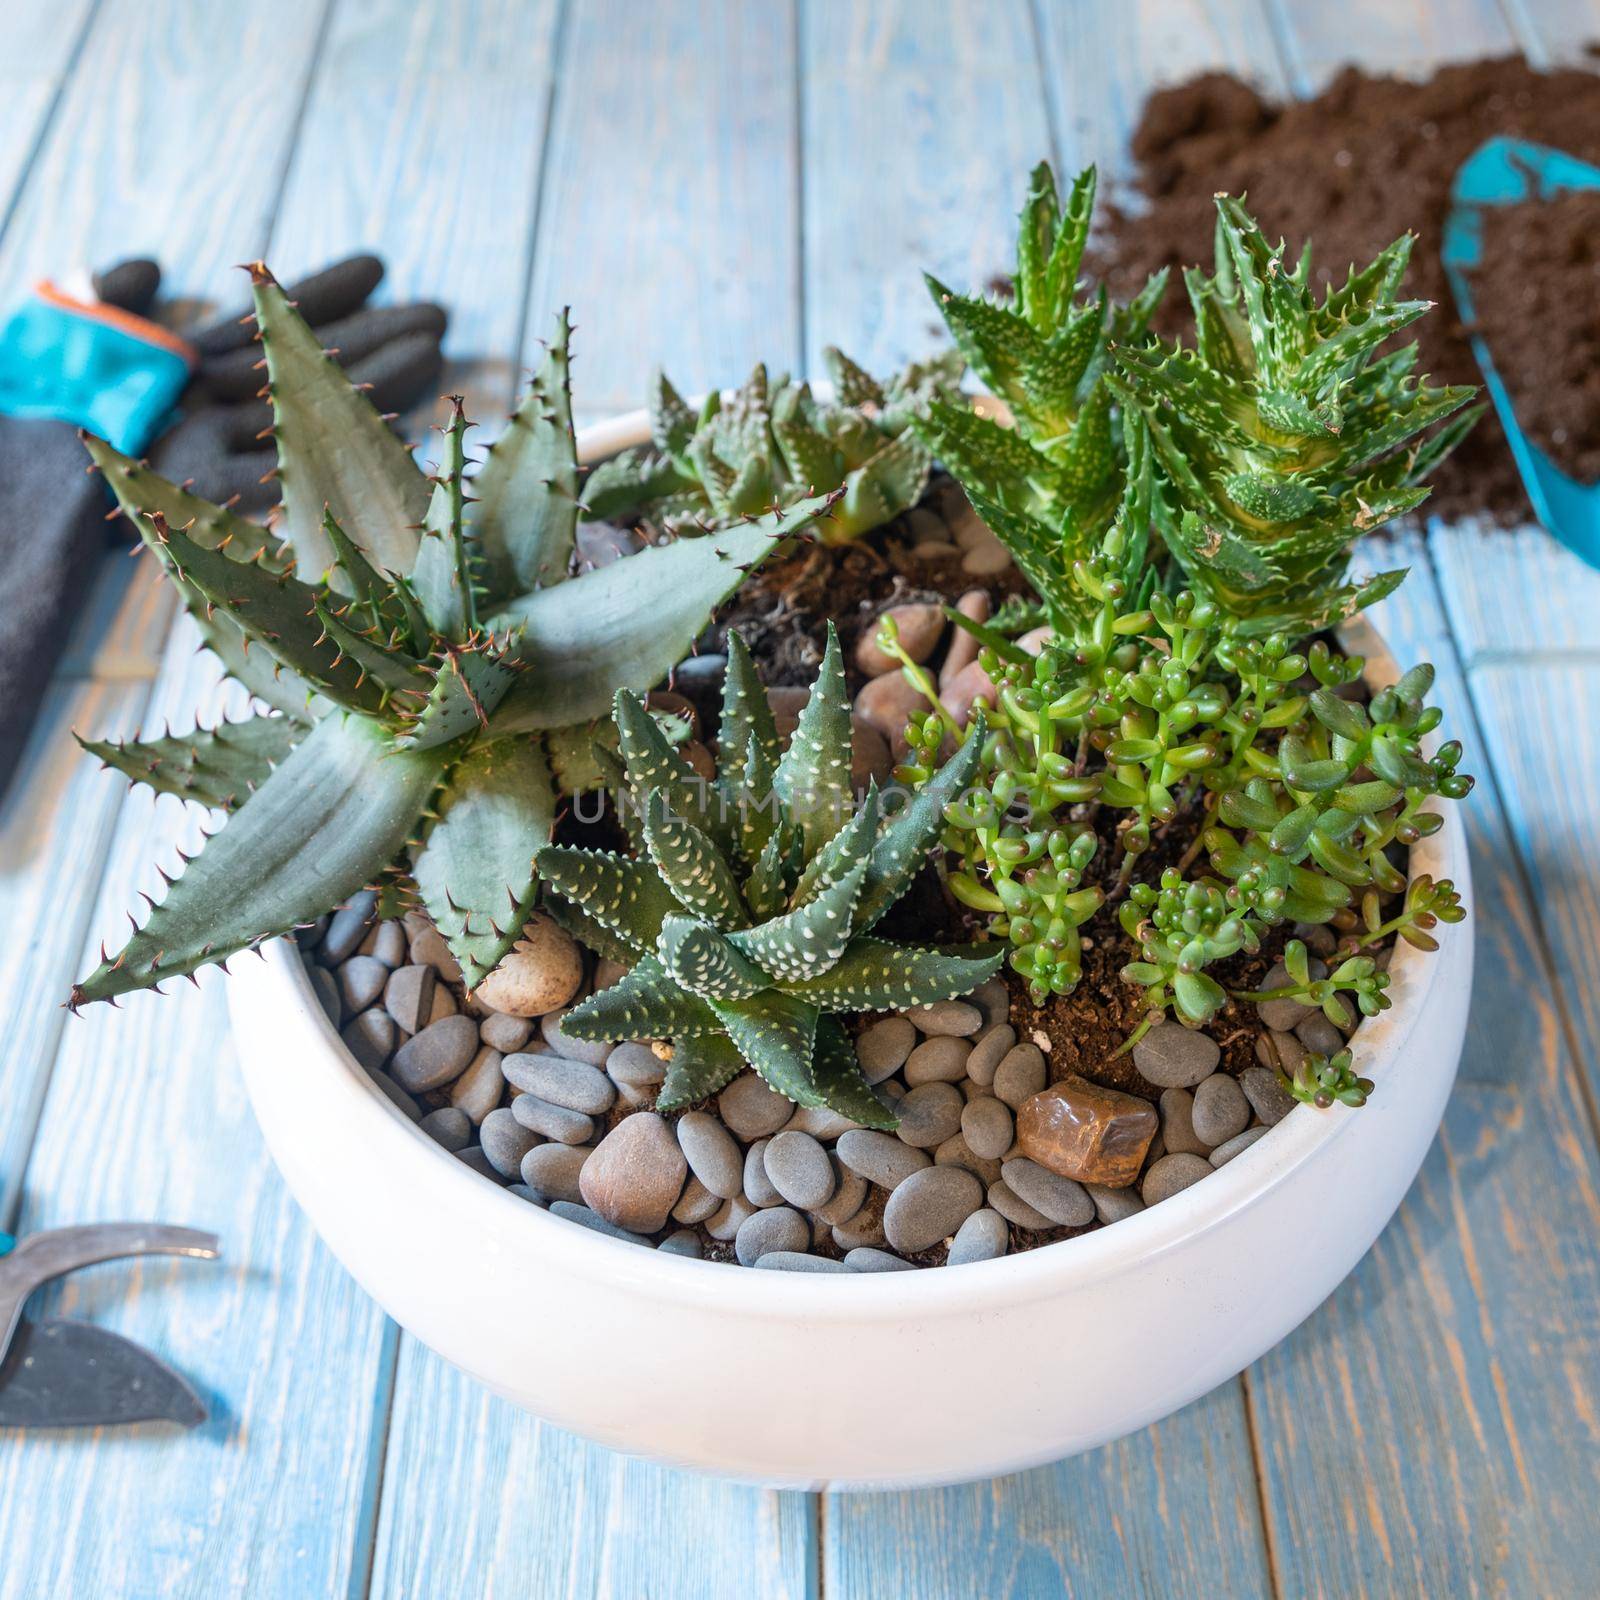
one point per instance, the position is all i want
(411, 644)
(746, 910)
(1183, 680)
(773, 442)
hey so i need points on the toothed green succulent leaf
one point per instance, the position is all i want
(468, 684)
(442, 577)
(217, 766)
(877, 975)
(813, 777)
(644, 1003)
(695, 954)
(809, 940)
(699, 1067)
(475, 868)
(776, 1035)
(619, 893)
(839, 1081)
(691, 865)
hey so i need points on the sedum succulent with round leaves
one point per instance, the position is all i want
(746, 911)
(414, 650)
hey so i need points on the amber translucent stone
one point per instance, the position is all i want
(1086, 1132)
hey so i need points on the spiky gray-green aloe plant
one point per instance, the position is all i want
(1285, 435)
(774, 442)
(746, 912)
(1050, 483)
(412, 645)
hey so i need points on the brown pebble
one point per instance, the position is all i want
(1086, 1132)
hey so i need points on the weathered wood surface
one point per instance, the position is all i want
(710, 184)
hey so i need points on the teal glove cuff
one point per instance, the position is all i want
(115, 374)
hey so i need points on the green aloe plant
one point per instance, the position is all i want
(746, 911)
(773, 442)
(411, 645)
(1288, 431)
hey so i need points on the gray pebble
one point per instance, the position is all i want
(444, 1004)
(1177, 1124)
(346, 929)
(551, 1170)
(942, 1059)
(554, 1122)
(1020, 1075)
(880, 1158)
(949, 1018)
(585, 1218)
(929, 1206)
(505, 1142)
(584, 1050)
(1317, 937)
(1004, 1199)
(993, 999)
(929, 1114)
(1065, 1203)
(956, 1152)
(407, 1106)
(1280, 1050)
(1284, 1015)
(758, 1189)
(1171, 1175)
(1113, 1205)
(310, 936)
(636, 1065)
(387, 943)
(1268, 1098)
(474, 1157)
(724, 1223)
(696, 1203)
(865, 1227)
(752, 1110)
(506, 1034)
(370, 1038)
(685, 1242)
(798, 1261)
(1318, 1034)
(449, 1127)
(431, 948)
(1172, 1056)
(481, 1087)
(819, 1122)
(1220, 1110)
(437, 1055)
(990, 1050)
(1240, 1142)
(408, 996)
(712, 1155)
(865, 1258)
(572, 1084)
(987, 1127)
(523, 1192)
(799, 1169)
(326, 988)
(882, 1049)
(765, 1231)
(849, 1192)
(982, 1237)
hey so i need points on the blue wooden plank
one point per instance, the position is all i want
(667, 218)
(43, 38)
(1406, 37)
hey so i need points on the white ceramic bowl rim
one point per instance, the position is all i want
(1247, 1180)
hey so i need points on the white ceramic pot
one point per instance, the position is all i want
(825, 1381)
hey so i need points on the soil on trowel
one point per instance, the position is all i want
(1537, 303)
(1352, 169)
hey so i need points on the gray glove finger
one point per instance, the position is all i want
(237, 375)
(216, 452)
(129, 285)
(325, 296)
(402, 372)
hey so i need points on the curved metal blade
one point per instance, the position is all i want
(62, 1374)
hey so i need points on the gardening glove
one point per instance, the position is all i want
(91, 360)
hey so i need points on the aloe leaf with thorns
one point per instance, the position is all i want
(404, 664)
(747, 916)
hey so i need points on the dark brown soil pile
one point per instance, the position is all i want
(1353, 169)
(1537, 303)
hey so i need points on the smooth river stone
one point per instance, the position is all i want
(1083, 1131)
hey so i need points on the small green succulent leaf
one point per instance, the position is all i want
(621, 484)
(468, 683)
(527, 489)
(841, 1084)
(642, 1004)
(475, 867)
(695, 953)
(218, 766)
(334, 450)
(325, 822)
(626, 625)
(698, 1067)
(621, 894)
(654, 767)
(393, 672)
(850, 846)
(807, 941)
(852, 384)
(813, 778)
(691, 865)
(776, 1035)
(672, 420)
(442, 576)
(877, 975)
